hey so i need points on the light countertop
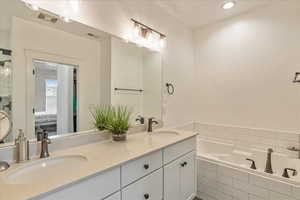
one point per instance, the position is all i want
(101, 156)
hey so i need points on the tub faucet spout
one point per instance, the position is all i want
(269, 162)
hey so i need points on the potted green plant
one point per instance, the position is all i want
(102, 115)
(119, 123)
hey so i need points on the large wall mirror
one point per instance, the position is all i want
(52, 73)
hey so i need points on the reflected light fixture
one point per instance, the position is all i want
(228, 5)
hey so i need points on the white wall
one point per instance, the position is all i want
(4, 39)
(245, 67)
(126, 72)
(44, 40)
(136, 68)
(178, 57)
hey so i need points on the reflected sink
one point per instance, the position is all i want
(39, 170)
(165, 132)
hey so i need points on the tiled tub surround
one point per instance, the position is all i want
(250, 138)
(223, 174)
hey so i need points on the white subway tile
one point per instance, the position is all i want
(281, 187)
(296, 192)
(260, 181)
(225, 180)
(278, 196)
(227, 189)
(240, 195)
(254, 197)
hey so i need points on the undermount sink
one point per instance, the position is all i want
(38, 170)
(165, 132)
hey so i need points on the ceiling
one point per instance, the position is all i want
(196, 13)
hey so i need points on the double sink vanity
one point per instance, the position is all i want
(157, 165)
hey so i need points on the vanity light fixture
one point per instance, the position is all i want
(145, 36)
(228, 5)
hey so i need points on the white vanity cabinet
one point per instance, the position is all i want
(165, 174)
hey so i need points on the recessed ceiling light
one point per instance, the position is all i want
(229, 4)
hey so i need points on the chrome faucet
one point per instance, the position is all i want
(43, 137)
(269, 162)
(151, 121)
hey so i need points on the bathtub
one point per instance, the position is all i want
(221, 166)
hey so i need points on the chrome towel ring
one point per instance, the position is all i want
(170, 88)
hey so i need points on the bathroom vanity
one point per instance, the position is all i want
(158, 165)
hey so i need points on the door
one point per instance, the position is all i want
(172, 180)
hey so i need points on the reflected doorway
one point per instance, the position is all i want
(56, 97)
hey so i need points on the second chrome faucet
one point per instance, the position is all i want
(151, 121)
(43, 138)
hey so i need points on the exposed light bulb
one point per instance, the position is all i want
(136, 30)
(162, 41)
(229, 4)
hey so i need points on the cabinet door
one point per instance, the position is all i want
(188, 186)
(179, 178)
(172, 181)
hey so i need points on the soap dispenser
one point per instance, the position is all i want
(22, 147)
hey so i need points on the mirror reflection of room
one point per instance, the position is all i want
(55, 97)
(5, 75)
(136, 79)
(61, 54)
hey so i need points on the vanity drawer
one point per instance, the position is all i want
(176, 150)
(93, 188)
(149, 187)
(140, 167)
